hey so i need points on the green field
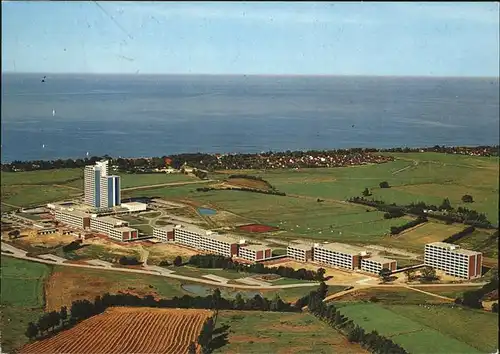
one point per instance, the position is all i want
(428, 329)
(130, 180)
(273, 332)
(22, 297)
(482, 241)
(48, 177)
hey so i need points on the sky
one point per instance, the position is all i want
(259, 38)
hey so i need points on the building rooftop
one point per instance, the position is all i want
(111, 220)
(74, 212)
(454, 248)
(301, 246)
(165, 227)
(256, 247)
(380, 260)
(343, 248)
(133, 204)
(223, 238)
(125, 229)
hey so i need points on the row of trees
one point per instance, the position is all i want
(52, 322)
(447, 212)
(398, 229)
(244, 189)
(329, 314)
(457, 236)
(218, 261)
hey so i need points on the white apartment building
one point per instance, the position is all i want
(338, 255)
(453, 260)
(376, 264)
(254, 253)
(100, 189)
(114, 228)
(164, 233)
(219, 244)
(188, 235)
(73, 218)
(299, 252)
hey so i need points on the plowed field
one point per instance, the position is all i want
(123, 330)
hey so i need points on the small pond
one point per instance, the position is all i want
(207, 211)
(204, 290)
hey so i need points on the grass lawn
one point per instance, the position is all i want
(389, 296)
(59, 176)
(275, 332)
(451, 292)
(482, 241)
(22, 282)
(456, 323)
(107, 254)
(151, 215)
(416, 336)
(130, 180)
(28, 195)
(144, 228)
(22, 298)
(286, 281)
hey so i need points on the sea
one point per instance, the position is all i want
(70, 116)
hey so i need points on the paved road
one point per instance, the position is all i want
(152, 186)
(17, 253)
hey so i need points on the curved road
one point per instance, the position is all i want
(17, 253)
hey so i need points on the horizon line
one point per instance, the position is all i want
(254, 75)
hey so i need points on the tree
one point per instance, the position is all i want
(445, 205)
(385, 274)
(467, 198)
(192, 348)
(205, 335)
(63, 313)
(178, 261)
(428, 273)
(239, 303)
(216, 298)
(410, 274)
(322, 290)
(320, 274)
(366, 192)
(472, 299)
(384, 184)
(31, 331)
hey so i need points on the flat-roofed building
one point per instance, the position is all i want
(188, 235)
(255, 252)
(74, 218)
(123, 233)
(453, 260)
(134, 206)
(219, 244)
(338, 255)
(164, 233)
(114, 228)
(300, 252)
(375, 264)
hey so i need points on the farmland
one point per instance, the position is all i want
(110, 332)
(428, 329)
(274, 332)
(22, 298)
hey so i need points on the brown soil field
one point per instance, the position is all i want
(46, 241)
(257, 228)
(162, 251)
(123, 330)
(68, 284)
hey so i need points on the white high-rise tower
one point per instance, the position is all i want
(100, 189)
